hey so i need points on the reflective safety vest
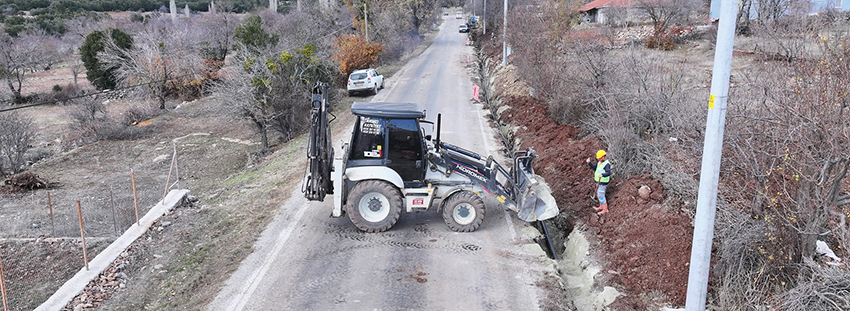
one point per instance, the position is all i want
(600, 169)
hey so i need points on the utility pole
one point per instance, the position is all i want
(505, 36)
(172, 8)
(711, 156)
(484, 17)
(366, 18)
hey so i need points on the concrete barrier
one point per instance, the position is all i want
(77, 284)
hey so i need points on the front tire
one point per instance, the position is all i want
(464, 211)
(374, 206)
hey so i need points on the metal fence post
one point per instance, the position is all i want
(3, 287)
(135, 197)
(52, 219)
(82, 234)
(112, 202)
(168, 178)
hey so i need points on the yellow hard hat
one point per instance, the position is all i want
(600, 154)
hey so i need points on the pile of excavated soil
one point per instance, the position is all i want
(23, 182)
(643, 243)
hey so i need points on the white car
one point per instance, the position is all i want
(459, 15)
(365, 80)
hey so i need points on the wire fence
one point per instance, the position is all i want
(48, 236)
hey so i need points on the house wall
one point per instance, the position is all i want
(620, 16)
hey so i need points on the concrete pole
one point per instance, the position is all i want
(172, 8)
(712, 149)
(505, 36)
(366, 18)
(484, 17)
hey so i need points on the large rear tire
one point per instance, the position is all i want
(464, 211)
(374, 206)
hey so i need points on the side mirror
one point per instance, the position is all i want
(428, 137)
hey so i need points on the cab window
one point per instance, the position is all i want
(405, 143)
(368, 140)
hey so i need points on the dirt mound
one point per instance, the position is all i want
(644, 245)
(23, 182)
(647, 245)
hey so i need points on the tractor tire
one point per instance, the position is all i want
(464, 211)
(374, 206)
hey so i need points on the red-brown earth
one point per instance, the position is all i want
(643, 244)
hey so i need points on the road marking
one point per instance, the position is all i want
(240, 300)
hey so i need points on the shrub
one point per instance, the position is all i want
(93, 123)
(98, 74)
(353, 52)
(16, 135)
(827, 288)
(139, 113)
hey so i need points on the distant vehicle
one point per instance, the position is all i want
(463, 28)
(445, 13)
(459, 15)
(365, 80)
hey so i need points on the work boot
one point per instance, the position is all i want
(604, 209)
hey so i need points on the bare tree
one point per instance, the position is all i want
(16, 135)
(22, 55)
(216, 32)
(664, 13)
(162, 58)
(790, 143)
(420, 12)
(269, 87)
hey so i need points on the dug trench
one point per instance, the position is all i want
(633, 258)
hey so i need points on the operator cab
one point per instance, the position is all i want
(388, 134)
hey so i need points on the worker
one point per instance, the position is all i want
(601, 174)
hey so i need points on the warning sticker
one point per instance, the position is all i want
(711, 101)
(370, 126)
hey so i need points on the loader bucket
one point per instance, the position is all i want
(535, 199)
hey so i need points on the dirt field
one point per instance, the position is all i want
(214, 160)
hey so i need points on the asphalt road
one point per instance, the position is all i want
(306, 260)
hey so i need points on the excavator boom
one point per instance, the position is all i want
(317, 182)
